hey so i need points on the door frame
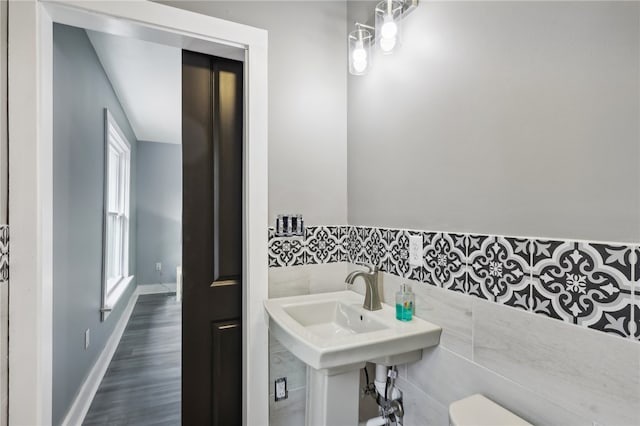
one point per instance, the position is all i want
(30, 65)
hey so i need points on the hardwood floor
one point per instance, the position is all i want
(142, 384)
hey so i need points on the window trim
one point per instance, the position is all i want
(112, 290)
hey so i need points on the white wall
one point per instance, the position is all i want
(307, 102)
(511, 118)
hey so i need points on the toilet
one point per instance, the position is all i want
(478, 410)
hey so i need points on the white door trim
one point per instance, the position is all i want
(30, 182)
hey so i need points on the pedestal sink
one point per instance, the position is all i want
(335, 337)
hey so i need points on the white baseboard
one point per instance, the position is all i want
(156, 288)
(82, 403)
(76, 414)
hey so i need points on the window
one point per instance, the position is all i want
(116, 227)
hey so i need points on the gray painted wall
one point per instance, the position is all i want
(81, 91)
(159, 201)
(307, 101)
(516, 118)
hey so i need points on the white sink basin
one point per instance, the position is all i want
(330, 330)
(331, 319)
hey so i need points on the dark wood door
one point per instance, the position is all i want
(212, 97)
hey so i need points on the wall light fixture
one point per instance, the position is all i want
(360, 42)
(386, 33)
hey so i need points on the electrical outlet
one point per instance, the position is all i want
(159, 266)
(281, 389)
(87, 337)
(415, 250)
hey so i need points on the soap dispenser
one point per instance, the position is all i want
(405, 303)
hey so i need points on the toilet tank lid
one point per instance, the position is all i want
(478, 410)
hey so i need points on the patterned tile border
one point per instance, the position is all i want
(590, 284)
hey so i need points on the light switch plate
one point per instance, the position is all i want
(415, 250)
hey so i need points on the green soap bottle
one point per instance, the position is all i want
(405, 303)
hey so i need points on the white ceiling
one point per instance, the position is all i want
(147, 78)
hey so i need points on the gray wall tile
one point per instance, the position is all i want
(285, 364)
(420, 409)
(288, 412)
(306, 279)
(586, 371)
(447, 377)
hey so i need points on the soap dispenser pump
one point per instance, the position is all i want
(405, 303)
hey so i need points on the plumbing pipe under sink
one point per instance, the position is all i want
(382, 372)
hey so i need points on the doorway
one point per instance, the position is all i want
(147, 154)
(31, 199)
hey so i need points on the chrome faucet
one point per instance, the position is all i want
(370, 277)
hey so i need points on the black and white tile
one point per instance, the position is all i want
(355, 244)
(444, 258)
(286, 251)
(586, 284)
(320, 244)
(397, 259)
(590, 284)
(498, 271)
(325, 244)
(375, 249)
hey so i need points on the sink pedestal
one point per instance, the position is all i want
(333, 396)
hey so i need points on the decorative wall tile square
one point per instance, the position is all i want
(584, 284)
(355, 244)
(397, 259)
(324, 244)
(286, 251)
(445, 260)
(375, 248)
(4, 253)
(498, 273)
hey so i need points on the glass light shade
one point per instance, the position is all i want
(360, 56)
(388, 29)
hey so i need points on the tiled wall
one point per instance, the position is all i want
(589, 284)
(549, 372)
(543, 327)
